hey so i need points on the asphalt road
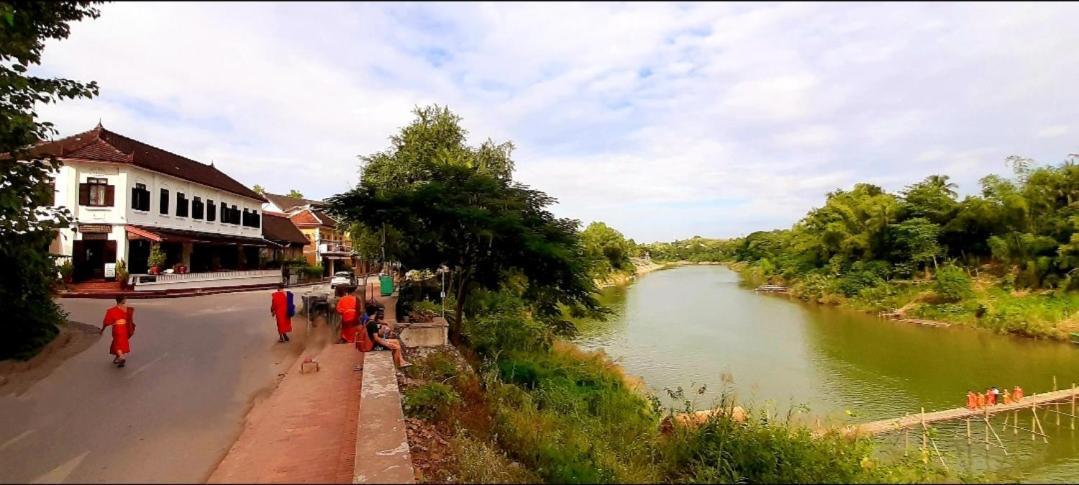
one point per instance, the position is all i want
(196, 366)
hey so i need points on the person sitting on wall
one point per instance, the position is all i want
(375, 332)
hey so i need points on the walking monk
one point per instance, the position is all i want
(972, 400)
(279, 309)
(349, 309)
(119, 318)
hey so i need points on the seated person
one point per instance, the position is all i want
(375, 332)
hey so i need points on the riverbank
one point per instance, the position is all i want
(642, 267)
(981, 302)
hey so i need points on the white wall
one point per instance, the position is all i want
(124, 177)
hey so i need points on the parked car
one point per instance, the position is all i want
(342, 278)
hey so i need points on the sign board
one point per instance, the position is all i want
(95, 228)
(110, 270)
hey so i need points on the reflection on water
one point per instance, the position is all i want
(690, 326)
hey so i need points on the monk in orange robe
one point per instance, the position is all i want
(349, 309)
(1017, 394)
(118, 317)
(981, 400)
(279, 309)
(972, 400)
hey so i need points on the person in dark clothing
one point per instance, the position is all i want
(375, 332)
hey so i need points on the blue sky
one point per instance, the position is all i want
(663, 120)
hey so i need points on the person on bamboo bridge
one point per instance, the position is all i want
(972, 400)
(1017, 394)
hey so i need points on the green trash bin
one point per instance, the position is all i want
(386, 284)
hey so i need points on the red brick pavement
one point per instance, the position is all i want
(305, 432)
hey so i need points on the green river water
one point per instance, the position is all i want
(696, 325)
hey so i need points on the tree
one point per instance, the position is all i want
(452, 206)
(933, 198)
(605, 250)
(295, 194)
(258, 189)
(28, 223)
(916, 240)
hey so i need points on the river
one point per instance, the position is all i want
(697, 325)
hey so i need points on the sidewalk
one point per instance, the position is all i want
(305, 432)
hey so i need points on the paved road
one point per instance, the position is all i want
(196, 366)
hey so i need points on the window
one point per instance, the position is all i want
(196, 208)
(140, 197)
(211, 210)
(96, 192)
(164, 202)
(224, 213)
(181, 204)
(251, 218)
(235, 217)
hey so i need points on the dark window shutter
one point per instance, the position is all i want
(110, 195)
(84, 194)
(164, 202)
(135, 202)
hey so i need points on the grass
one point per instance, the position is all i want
(567, 416)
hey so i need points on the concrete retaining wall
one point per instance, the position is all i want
(432, 334)
(382, 453)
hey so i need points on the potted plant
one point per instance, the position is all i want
(156, 259)
(67, 270)
(121, 273)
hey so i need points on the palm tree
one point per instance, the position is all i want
(941, 182)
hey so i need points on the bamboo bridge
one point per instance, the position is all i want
(1032, 402)
(1049, 402)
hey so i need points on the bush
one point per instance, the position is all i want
(857, 280)
(433, 400)
(424, 311)
(121, 271)
(500, 321)
(952, 284)
(312, 271)
(67, 269)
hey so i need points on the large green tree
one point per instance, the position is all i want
(606, 250)
(458, 206)
(28, 223)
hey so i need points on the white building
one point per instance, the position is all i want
(125, 196)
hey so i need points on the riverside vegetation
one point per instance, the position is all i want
(1004, 259)
(525, 405)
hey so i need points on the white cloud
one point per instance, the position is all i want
(665, 120)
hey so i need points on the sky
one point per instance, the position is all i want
(665, 121)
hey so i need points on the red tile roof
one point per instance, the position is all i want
(278, 228)
(103, 145)
(305, 218)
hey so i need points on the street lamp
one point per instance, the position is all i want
(442, 270)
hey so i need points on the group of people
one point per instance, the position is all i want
(368, 329)
(992, 397)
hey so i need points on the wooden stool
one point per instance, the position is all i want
(309, 361)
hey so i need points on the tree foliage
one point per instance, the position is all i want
(606, 250)
(458, 206)
(1026, 225)
(28, 223)
(295, 194)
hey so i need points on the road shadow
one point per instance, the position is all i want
(19, 376)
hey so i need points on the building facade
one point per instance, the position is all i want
(330, 244)
(126, 196)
